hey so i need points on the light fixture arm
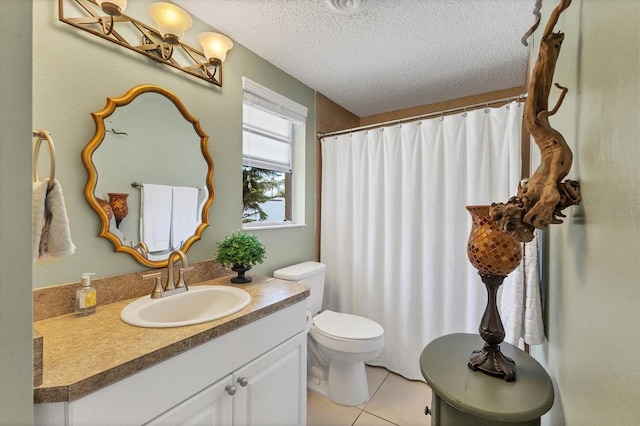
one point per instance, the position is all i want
(165, 50)
(206, 68)
(154, 46)
(107, 29)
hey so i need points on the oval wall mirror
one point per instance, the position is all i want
(150, 174)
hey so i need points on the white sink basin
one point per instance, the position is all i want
(199, 304)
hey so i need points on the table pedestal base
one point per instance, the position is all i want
(493, 362)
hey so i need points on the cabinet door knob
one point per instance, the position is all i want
(243, 381)
(231, 390)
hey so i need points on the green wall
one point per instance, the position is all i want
(16, 382)
(592, 260)
(74, 73)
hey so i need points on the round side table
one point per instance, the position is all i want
(462, 396)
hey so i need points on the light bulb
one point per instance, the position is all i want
(215, 45)
(171, 21)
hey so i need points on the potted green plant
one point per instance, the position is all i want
(240, 251)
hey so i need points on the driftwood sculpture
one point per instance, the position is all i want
(542, 198)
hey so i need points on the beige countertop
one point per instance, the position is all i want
(82, 354)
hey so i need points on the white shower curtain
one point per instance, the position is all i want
(394, 226)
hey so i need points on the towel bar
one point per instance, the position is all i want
(139, 185)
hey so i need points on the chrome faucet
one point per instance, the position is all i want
(171, 287)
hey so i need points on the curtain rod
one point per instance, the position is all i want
(519, 98)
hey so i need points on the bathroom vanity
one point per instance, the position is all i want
(247, 368)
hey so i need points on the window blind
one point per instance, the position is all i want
(268, 118)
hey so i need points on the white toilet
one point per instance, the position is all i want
(338, 344)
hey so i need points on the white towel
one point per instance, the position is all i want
(184, 218)
(37, 217)
(533, 324)
(155, 217)
(520, 303)
(51, 231)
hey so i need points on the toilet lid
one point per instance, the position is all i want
(347, 326)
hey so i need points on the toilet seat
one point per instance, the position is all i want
(346, 327)
(346, 333)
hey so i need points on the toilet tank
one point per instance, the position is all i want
(310, 274)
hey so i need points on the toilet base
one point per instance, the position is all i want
(346, 384)
(317, 386)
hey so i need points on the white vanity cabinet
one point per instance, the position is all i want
(254, 375)
(264, 392)
(211, 406)
(269, 389)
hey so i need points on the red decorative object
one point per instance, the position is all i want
(118, 202)
(495, 254)
(490, 250)
(106, 207)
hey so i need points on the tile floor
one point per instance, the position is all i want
(393, 400)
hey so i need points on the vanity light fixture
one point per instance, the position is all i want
(215, 47)
(111, 8)
(171, 20)
(162, 44)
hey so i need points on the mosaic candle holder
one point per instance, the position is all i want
(494, 254)
(118, 202)
(106, 207)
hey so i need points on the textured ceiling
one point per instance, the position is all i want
(388, 55)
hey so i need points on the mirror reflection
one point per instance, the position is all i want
(150, 174)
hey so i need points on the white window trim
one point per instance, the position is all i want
(270, 225)
(275, 102)
(263, 97)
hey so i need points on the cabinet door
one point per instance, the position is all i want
(272, 388)
(211, 406)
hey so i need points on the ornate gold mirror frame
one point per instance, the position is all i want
(92, 180)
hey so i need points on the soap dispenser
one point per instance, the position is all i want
(86, 297)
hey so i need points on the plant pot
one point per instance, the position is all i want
(241, 278)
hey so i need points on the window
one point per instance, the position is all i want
(273, 141)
